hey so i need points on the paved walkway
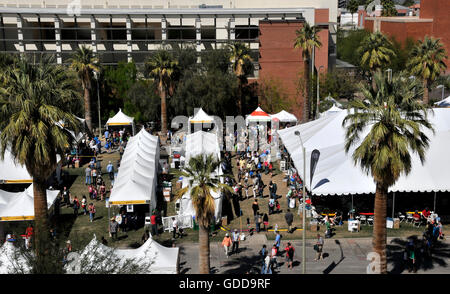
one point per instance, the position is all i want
(341, 256)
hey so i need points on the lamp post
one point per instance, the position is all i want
(318, 91)
(443, 87)
(297, 133)
(97, 77)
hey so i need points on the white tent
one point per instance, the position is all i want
(443, 103)
(121, 119)
(284, 117)
(137, 176)
(151, 256)
(201, 117)
(333, 109)
(12, 172)
(336, 173)
(21, 204)
(196, 144)
(258, 115)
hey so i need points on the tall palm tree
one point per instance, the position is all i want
(33, 98)
(395, 122)
(84, 63)
(162, 66)
(203, 180)
(427, 62)
(376, 53)
(307, 39)
(239, 58)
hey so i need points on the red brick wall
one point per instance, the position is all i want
(280, 61)
(402, 30)
(368, 25)
(321, 55)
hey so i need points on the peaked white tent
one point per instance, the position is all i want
(336, 173)
(196, 144)
(20, 205)
(137, 176)
(284, 117)
(443, 103)
(333, 109)
(258, 115)
(121, 119)
(201, 117)
(12, 172)
(153, 257)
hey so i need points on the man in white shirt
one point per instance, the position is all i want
(235, 239)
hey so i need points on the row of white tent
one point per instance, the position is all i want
(137, 176)
(151, 257)
(336, 173)
(197, 143)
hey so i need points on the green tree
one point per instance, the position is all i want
(84, 63)
(203, 181)
(427, 62)
(395, 121)
(33, 98)
(348, 45)
(272, 95)
(388, 8)
(143, 102)
(240, 60)
(352, 7)
(161, 67)
(376, 53)
(307, 39)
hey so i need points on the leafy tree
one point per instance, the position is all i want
(388, 8)
(348, 45)
(376, 53)
(402, 52)
(143, 101)
(241, 63)
(33, 98)
(427, 62)
(161, 67)
(84, 63)
(307, 39)
(395, 121)
(272, 96)
(202, 182)
(352, 7)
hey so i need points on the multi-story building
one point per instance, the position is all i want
(125, 30)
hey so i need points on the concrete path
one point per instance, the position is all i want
(341, 256)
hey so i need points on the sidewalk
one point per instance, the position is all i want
(341, 256)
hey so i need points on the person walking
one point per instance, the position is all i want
(84, 205)
(94, 176)
(274, 253)
(319, 247)
(267, 260)
(235, 239)
(278, 240)
(289, 217)
(289, 254)
(174, 228)
(263, 253)
(66, 196)
(266, 221)
(110, 170)
(255, 207)
(88, 172)
(76, 205)
(113, 227)
(92, 212)
(226, 243)
(154, 224)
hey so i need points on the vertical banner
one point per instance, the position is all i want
(314, 159)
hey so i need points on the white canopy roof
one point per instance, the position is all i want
(333, 109)
(137, 176)
(336, 173)
(12, 172)
(20, 205)
(201, 117)
(284, 116)
(155, 258)
(201, 143)
(120, 119)
(258, 115)
(443, 103)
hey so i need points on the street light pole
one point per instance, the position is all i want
(297, 133)
(97, 77)
(443, 87)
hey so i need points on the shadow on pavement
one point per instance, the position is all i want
(396, 249)
(244, 264)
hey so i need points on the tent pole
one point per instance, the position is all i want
(352, 202)
(434, 206)
(393, 204)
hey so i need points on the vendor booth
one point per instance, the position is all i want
(196, 122)
(284, 117)
(121, 120)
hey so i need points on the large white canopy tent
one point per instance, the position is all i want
(201, 143)
(151, 256)
(137, 176)
(443, 103)
(331, 110)
(258, 115)
(12, 172)
(121, 119)
(19, 206)
(336, 173)
(284, 117)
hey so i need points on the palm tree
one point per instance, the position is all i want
(427, 62)
(239, 58)
(161, 67)
(84, 63)
(376, 53)
(33, 99)
(395, 121)
(307, 39)
(203, 180)
(352, 7)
